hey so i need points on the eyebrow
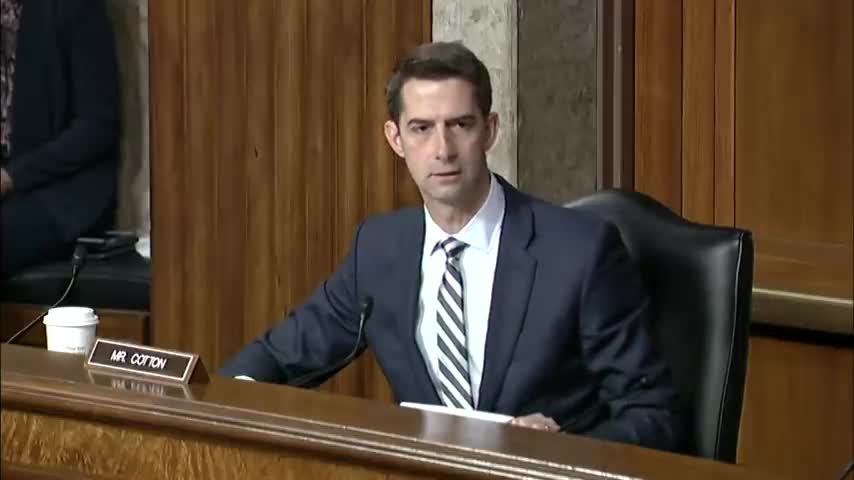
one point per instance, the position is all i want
(421, 121)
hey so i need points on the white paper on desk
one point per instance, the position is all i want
(488, 416)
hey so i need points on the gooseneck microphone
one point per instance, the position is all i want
(78, 258)
(365, 310)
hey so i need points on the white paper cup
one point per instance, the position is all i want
(70, 329)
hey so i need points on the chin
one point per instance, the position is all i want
(454, 201)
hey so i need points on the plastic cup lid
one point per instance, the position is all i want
(70, 317)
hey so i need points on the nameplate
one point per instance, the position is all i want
(148, 362)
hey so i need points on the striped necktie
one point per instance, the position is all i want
(454, 381)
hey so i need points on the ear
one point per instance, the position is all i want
(491, 131)
(392, 136)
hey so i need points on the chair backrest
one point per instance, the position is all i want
(699, 279)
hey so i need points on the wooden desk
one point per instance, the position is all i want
(33, 472)
(55, 413)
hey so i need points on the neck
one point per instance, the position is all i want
(452, 218)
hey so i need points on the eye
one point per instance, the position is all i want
(463, 124)
(420, 128)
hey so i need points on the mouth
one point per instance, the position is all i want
(446, 174)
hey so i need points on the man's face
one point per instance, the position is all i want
(443, 137)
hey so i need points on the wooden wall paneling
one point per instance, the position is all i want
(766, 93)
(349, 77)
(724, 113)
(416, 29)
(380, 59)
(412, 29)
(380, 163)
(377, 159)
(267, 150)
(797, 413)
(320, 138)
(387, 181)
(290, 188)
(766, 144)
(234, 165)
(202, 159)
(260, 200)
(658, 100)
(168, 162)
(698, 110)
(793, 148)
(349, 67)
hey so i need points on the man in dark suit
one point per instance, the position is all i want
(485, 298)
(60, 128)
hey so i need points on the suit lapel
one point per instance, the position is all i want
(514, 276)
(405, 271)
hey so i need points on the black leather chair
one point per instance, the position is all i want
(121, 282)
(699, 278)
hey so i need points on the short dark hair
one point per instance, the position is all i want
(439, 61)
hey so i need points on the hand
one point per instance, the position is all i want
(537, 421)
(5, 182)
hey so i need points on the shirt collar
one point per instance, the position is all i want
(480, 231)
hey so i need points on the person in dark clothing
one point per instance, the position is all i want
(60, 128)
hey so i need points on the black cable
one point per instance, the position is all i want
(77, 261)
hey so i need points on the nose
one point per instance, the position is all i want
(445, 146)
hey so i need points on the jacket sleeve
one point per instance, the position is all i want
(635, 384)
(314, 335)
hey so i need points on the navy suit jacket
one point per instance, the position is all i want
(567, 334)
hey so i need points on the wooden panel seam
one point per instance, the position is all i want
(724, 122)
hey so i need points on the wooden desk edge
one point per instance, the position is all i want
(65, 392)
(321, 438)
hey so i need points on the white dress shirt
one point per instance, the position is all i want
(482, 234)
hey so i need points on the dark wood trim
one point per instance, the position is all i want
(698, 111)
(724, 104)
(615, 94)
(801, 335)
(658, 101)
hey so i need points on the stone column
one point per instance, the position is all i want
(130, 28)
(542, 58)
(557, 98)
(488, 28)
